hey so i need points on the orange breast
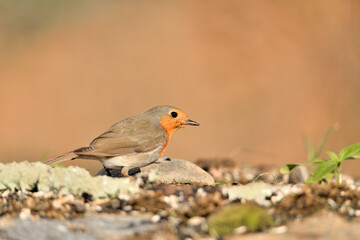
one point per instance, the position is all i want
(170, 126)
(165, 145)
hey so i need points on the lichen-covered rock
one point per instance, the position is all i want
(22, 176)
(27, 176)
(256, 192)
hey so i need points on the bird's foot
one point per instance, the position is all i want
(125, 171)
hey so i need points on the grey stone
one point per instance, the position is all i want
(299, 175)
(170, 170)
(88, 228)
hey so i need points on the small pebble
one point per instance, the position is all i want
(155, 219)
(127, 208)
(196, 221)
(172, 201)
(278, 230)
(25, 214)
(124, 197)
(332, 203)
(351, 212)
(5, 193)
(357, 213)
(201, 193)
(240, 230)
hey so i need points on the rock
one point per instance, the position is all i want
(26, 176)
(88, 228)
(257, 192)
(299, 175)
(170, 170)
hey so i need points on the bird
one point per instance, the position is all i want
(134, 142)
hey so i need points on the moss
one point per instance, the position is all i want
(27, 176)
(231, 217)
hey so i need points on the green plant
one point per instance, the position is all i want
(44, 156)
(225, 221)
(262, 174)
(54, 165)
(326, 169)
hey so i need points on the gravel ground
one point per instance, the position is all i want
(182, 211)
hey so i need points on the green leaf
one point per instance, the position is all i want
(323, 169)
(216, 183)
(328, 176)
(43, 158)
(317, 161)
(352, 151)
(310, 148)
(262, 174)
(333, 156)
(309, 180)
(288, 167)
(324, 138)
(55, 165)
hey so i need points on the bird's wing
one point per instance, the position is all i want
(110, 144)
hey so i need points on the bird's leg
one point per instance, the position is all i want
(108, 171)
(125, 171)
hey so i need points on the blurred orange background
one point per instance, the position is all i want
(257, 75)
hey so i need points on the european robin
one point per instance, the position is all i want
(133, 142)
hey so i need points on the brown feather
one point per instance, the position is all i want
(62, 158)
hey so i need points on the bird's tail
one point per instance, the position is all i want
(62, 158)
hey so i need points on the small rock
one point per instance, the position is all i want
(278, 230)
(196, 221)
(299, 175)
(357, 213)
(155, 219)
(258, 192)
(240, 230)
(332, 203)
(25, 214)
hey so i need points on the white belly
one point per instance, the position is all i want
(132, 161)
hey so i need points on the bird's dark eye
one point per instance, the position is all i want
(174, 114)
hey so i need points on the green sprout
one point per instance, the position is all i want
(44, 156)
(262, 174)
(325, 169)
(54, 164)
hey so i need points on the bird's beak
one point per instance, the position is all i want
(191, 122)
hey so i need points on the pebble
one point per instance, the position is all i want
(240, 230)
(155, 219)
(298, 175)
(25, 213)
(5, 193)
(172, 200)
(57, 204)
(278, 230)
(196, 221)
(332, 203)
(357, 213)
